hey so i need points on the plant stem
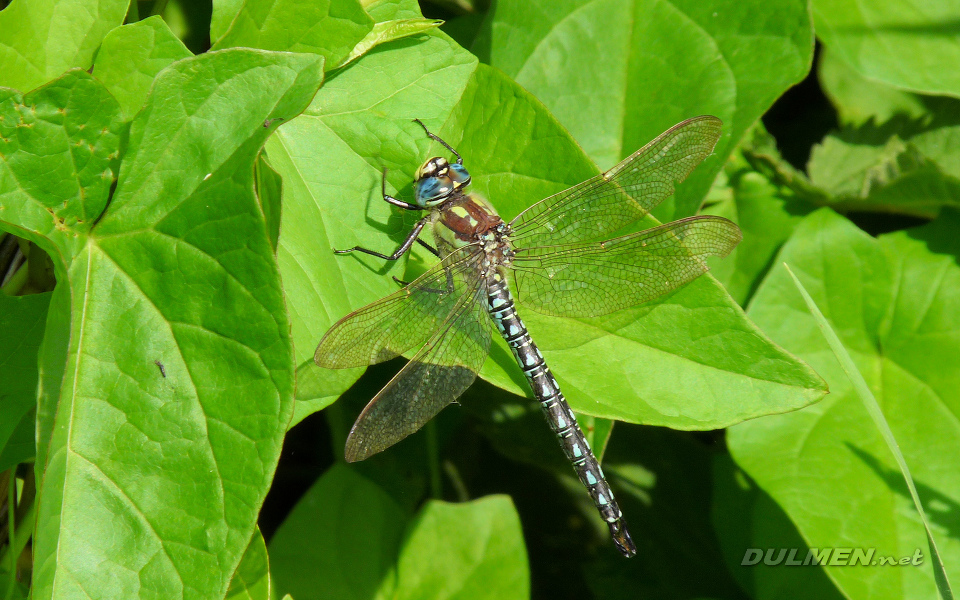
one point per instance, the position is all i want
(133, 13)
(11, 530)
(433, 459)
(158, 7)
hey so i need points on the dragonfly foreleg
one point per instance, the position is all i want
(442, 143)
(404, 247)
(391, 199)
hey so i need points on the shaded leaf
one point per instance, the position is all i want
(859, 100)
(662, 481)
(21, 330)
(747, 520)
(340, 540)
(893, 176)
(351, 534)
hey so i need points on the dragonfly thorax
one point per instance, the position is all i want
(438, 180)
(466, 220)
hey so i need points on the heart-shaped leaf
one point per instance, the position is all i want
(166, 378)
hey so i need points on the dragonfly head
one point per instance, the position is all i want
(437, 180)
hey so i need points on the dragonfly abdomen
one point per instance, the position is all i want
(555, 409)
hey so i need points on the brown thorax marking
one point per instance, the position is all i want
(469, 218)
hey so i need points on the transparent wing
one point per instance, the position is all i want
(596, 278)
(603, 204)
(442, 370)
(403, 320)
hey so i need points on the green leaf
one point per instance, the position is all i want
(873, 409)
(616, 74)
(387, 32)
(709, 359)
(392, 10)
(224, 12)
(130, 58)
(910, 44)
(345, 539)
(340, 540)
(251, 580)
(330, 28)
(331, 160)
(861, 173)
(155, 477)
(464, 551)
(931, 124)
(21, 328)
(767, 214)
(858, 99)
(41, 39)
(58, 171)
(871, 168)
(893, 302)
(508, 140)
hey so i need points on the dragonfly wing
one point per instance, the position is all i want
(403, 320)
(604, 204)
(596, 278)
(442, 370)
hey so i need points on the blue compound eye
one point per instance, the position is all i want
(458, 175)
(432, 190)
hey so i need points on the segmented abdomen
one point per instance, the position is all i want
(555, 408)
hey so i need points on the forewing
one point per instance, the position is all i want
(442, 370)
(604, 204)
(403, 320)
(596, 278)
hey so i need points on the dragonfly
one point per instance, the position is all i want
(563, 261)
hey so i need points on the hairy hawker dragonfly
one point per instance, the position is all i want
(553, 252)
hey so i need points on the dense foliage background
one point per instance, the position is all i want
(174, 176)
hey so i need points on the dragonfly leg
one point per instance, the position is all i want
(449, 289)
(434, 252)
(446, 271)
(403, 283)
(391, 199)
(404, 247)
(442, 143)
